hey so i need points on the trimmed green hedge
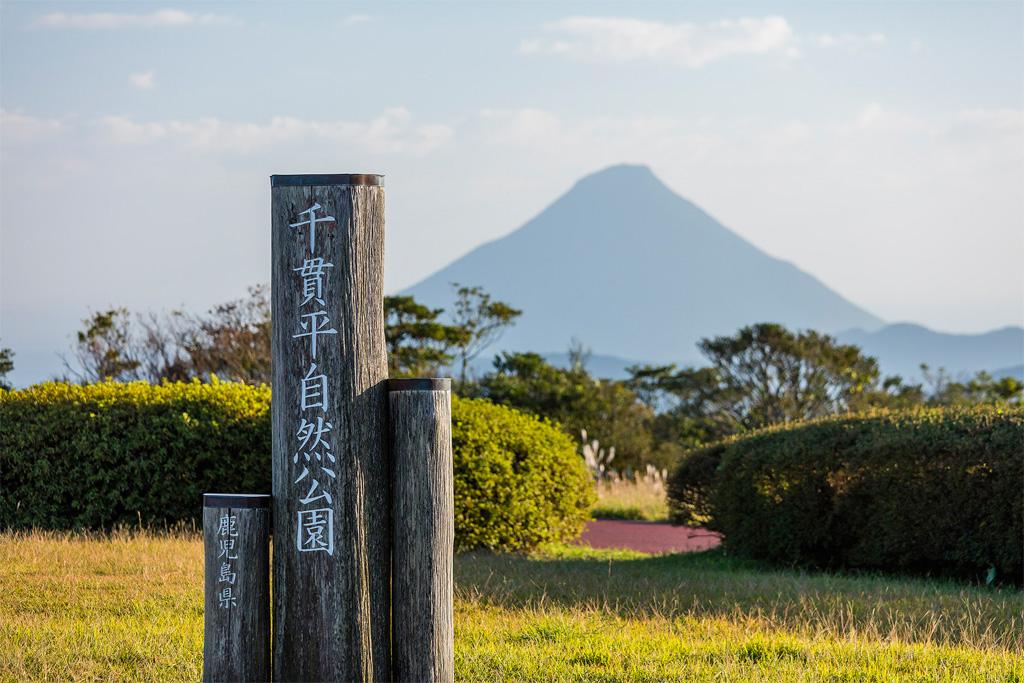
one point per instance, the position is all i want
(929, 491)
(518, 480)
(92, 457)
(95, 456)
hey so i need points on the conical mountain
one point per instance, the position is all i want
(631, 269)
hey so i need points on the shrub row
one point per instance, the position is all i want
(928, 491)
(97, 456)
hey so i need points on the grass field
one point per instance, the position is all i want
(129, 607)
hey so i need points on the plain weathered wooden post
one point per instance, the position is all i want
(236, 542)
(424, 520)
(331, 480)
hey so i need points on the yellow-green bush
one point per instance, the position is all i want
(95, 456)
(106, 454)
(518, 480)
(928, 491)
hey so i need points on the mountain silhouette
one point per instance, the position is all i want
(631, 269)
(902, 347)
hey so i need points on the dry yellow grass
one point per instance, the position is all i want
(129, 607)
(640, 495)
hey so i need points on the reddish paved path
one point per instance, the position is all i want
(647, 537)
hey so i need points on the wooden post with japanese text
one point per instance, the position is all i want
(331, 478)
(236, 615)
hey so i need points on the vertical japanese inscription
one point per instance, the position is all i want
(313, 459)
(331, 479)
(227, 554)
(236, 614)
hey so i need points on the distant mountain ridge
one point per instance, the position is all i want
(962, 364)
(634, 271)
(902, 347)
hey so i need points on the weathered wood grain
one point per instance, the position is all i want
(332, 611)
(424, 521)
(236, 633)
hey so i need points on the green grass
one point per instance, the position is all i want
(129, 607)
(576, 614)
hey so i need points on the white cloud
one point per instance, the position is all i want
(143, 81)
(980, 127)
(393, 131)
(608, 39)
(987, 129)
(514, 126)
(15, 127)
(870, 114)
(1009, 120)
(165, 18)
(354, 19)
(850, 41)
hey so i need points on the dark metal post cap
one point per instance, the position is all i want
(236, 500)
(312, 179)
(420, 384)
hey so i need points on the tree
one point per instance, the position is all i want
(105, 348)
(763, 375)
(418, 344)
(160, 346)
(685, 402)
(606, 409)
(482, 320)
(231, 341)
(980, 389)
(6, 366)
(770, 375)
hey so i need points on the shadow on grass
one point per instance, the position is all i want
(712, 584)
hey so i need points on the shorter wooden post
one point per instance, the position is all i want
(424, 529)
(236, 635)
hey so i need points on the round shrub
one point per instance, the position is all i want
(96, 456)
(929, 491)
(518, 479)
(690, 485)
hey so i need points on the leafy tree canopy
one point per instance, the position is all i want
(482, 321)
(6, 365)
(765, 374)
(233, 341)
(608, 410)
(418, 343)
(982, 389)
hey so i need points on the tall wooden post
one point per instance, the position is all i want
(236, 632)
(424, 520)
(331, 480)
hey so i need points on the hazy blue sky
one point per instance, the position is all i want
(877, 146)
